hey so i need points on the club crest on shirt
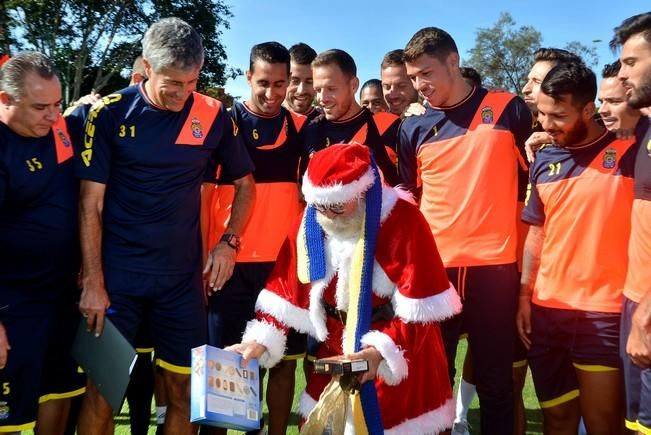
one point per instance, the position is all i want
(487, 115)
(648, 148)
(4, 410)
(197, 129)
(610, 157)
(64, 138)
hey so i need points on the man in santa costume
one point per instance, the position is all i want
(360, 272)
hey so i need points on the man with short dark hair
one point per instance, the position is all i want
(343, 120)
(300, 92)
(272, 136)
(148, 150)
(634, 35)
(615, 112)
(370, 96)
(398, 90)
(579, 210)
(544, 59)
(464, 154)
(39, 258)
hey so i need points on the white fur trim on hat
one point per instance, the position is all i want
(393, 368)
(269, 336)
(306, 404)
(337, 193)
(298, 318)
(430, 423)
(434, 308)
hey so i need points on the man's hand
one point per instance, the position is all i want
(91, 98)
(219, 267)
(248, 350)
(414, 109)
(374, 359)
(638, 345)
(93, 304)
(535, 141)
(523, 320)
(4, 347)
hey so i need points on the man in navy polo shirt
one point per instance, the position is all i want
(147, 151)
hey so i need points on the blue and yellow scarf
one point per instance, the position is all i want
(312, 267)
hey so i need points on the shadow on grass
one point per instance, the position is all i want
(534, 421)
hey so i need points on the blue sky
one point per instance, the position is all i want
(368, 29)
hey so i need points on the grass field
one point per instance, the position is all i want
(534, 419)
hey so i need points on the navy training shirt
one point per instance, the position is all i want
(153, 185)
(39, 242)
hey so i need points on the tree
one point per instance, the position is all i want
(93, 41)
(588, 54)
(503, 54)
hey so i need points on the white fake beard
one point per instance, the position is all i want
(340, 227)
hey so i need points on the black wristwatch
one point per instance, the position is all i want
(232, 240)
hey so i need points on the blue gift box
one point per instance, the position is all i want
(222, 393)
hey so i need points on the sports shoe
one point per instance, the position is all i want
(460, 427)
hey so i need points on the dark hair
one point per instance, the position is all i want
(471, 75)
(571, 78)
(611, 69)
(270, 52)
(15, 70)
(640, 23)
(393, 58)
(372, 83)
(302, 53)
(337, 57)
(556, 55)
(431, 41)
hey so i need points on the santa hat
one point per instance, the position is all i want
(338, 174)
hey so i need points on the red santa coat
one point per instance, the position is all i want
(412, 381)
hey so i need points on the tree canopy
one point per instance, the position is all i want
(503, 53)
(93, 41)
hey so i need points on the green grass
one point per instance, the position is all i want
(534, 419)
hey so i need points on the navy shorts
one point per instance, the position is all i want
(233, 306)
(637, 382)
(563, 341)
(171, 306)
(40, 330)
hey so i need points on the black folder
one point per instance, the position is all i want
(107, 361)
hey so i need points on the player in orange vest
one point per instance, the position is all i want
(634, 35)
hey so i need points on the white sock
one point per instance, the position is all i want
(160, 414)
(465, 394)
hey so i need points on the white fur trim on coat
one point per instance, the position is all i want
(306, 404)
(284, 311)
(430, 423)
(337, 193)
(430, 309)
(393, 368)
(269, 336)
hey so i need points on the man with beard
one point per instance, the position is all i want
(343, 120)
(398, 90)
(464, 152)
(578, 207)
(544, 60)
(272, 135)
(367, 286)
(634, 35)
(300, 92)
